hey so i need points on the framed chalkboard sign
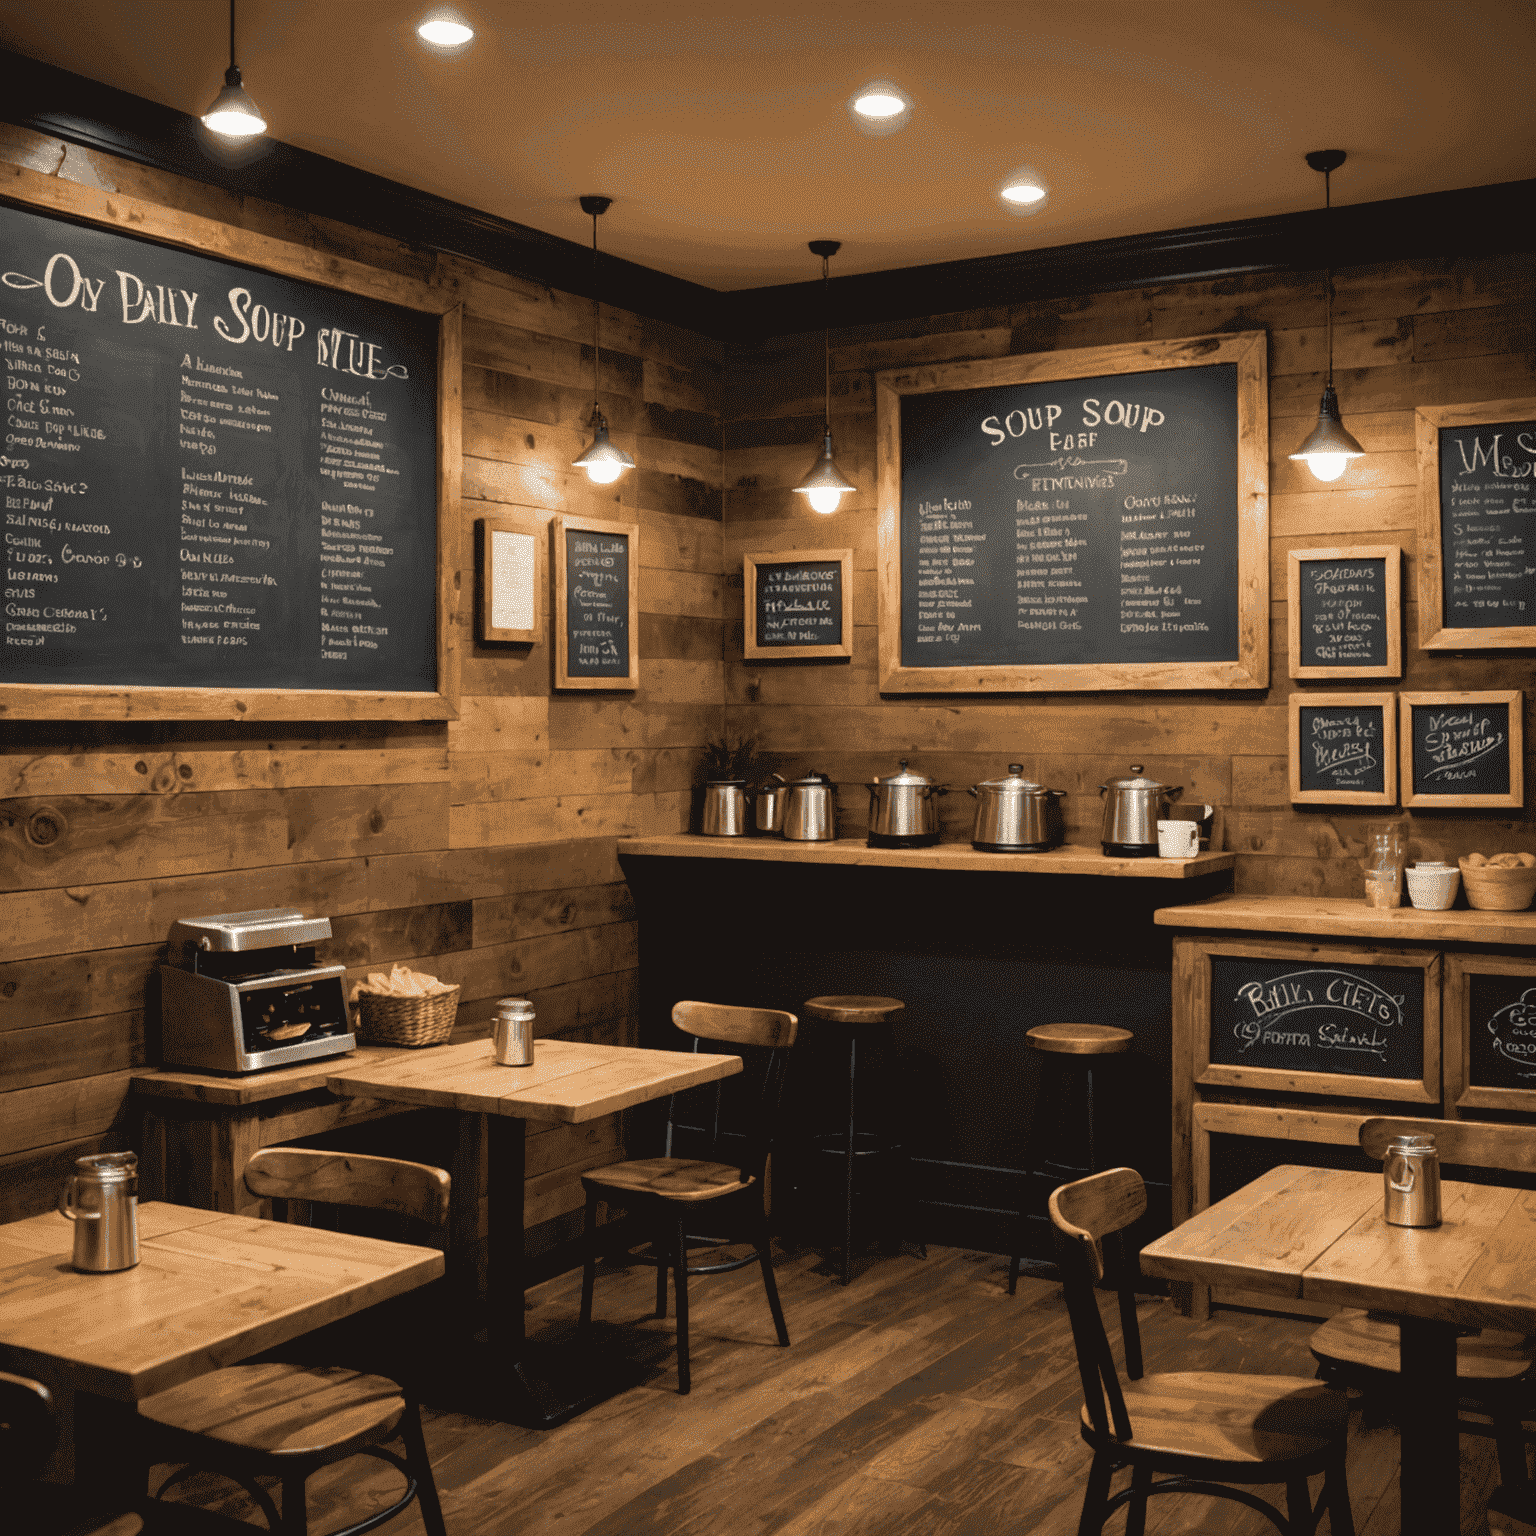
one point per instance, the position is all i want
(1343, 748)
(508, 567)
(1477, 525)
(231, 466)
(597, 603)
(800, 604)
(1462, 749)
(1090, 519)
(1490, 1033)
(1340, 1021)
(1344, 612)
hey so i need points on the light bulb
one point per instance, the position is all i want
(879, 108)
(1327, 466)
(604, 472)
(233, 114)
(444, 31)
(1023, 192)
(879, 104)
(824, 498)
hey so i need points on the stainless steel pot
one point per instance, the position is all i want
(811, 813)
(725, 808)
(768, 806)
(1015, 815)
(1131, 809)
(904, 810)
(101, 1197)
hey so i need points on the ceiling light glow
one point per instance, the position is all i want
(1023, 192)
(879, 104)
(445, 29)
(879, 108)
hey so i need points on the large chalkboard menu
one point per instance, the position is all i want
(1344, 612)
(1477, 524)
(1048, 524)
(1462, 749)
(798, 605)
(216, 476)
(1343, 748)
(597, 639)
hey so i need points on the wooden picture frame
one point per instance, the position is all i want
(510, 580)
(562, 573)
(119, 214)
(1429, 421)
(752, 565)
(1424, 799)
(1392, 598)
(1460, 1091)
(1248, 350)
(1386, 703)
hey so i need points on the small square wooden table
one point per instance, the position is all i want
(569, 1081)
(1319, 1234)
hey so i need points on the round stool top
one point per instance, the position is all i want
(1080, 1039)
(853, 1010)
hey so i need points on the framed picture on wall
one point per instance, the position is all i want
(1343, 748)
(1344, 612)
(510, 567)
(1462, 749)
(798, 604)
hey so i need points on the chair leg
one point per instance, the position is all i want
(419, 1464)
(765, 1258)
(1507, 1434)
(295, 1512)
(1341, 1519)
(1096, 1496)
(684, 1383)
(589, 1264)
(1136, 1511)
(1298, 1507)
(662, 1264)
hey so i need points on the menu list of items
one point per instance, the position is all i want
(1488, 525)
(800, 604)
(597, 577)
(1343, 613)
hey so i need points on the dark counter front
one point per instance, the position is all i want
(979, 955)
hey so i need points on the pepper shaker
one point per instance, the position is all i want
(512, 1032)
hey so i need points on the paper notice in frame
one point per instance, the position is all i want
(1462, 749)
(1343, 748)
(507, 554)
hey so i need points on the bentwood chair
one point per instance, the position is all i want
(287, 1420)
(1207, 1430)
(672, 1193)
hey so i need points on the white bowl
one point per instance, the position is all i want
(1433, 887)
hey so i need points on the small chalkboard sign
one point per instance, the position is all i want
(1344, 612)
(1343, 748)
(597, 603)
(1462, 749)
(799, 604)
(1490, 1003)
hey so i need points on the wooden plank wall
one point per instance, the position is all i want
(481, 850)
(1406, 335)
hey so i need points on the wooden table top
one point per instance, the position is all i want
(1319, 1233)
(1339, 917)
(209, 1289)
(568, 1080)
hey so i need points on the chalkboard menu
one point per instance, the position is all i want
(1462, 749)
(1502, 1033)
(216, 476)
(801, 606)
(1344, 611)
(1343, 748)
(596, 620)
(1069, 527)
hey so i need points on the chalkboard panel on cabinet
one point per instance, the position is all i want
(597, 603)
(1477, 525)
(1089, 519)
(228, 472)
(1490, 1033)
(1462, 749)
(798, 604)
(1344, 612)
(1343, 748)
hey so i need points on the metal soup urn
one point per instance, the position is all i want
(1015, 815)
(101, 1197)
(904, 810)
(1131, 810)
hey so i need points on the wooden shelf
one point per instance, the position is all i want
(1336, 917)
(1071, 859)
(254, 1087)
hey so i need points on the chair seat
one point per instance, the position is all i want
(1080, 1039)
(1221, 1416)
(1512, 1512)
(281, 1410)
(668, 1178)
(852, 1009)
(1358, 1338)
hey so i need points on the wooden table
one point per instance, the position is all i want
(568, 1082)
(1319, 1234)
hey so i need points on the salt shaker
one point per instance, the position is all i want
(1411, 1173)
(512, 1032)
(101, 1197)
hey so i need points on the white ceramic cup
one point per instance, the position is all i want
(1178, 839)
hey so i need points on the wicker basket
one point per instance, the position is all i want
(409, 1021)
(1498, 890)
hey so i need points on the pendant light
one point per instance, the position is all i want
(1328, 448)
(603, 462)
(824, 484)
(233, 114)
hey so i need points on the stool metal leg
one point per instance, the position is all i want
(853, 1064)
(1032, 1164)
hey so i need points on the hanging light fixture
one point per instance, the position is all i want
(824, 484)
(603, 462)
(1328, 447)
(233, 114)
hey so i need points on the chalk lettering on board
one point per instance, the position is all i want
(1513, 1029)
(1488, 524)
(1455, 738)
(1275, 1004)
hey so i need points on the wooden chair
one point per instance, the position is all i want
(671, 1191)
(287, 1420)
(1493, 1369)
(1206, 1429)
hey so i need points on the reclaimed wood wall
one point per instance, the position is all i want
(481, 850)
(1406, 335)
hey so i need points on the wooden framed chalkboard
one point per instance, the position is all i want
(509, 570)
(1344, 612)
(798, 604)
(597, 603)
(1343, 748)
(1490, 1033)
(1477, 525)
(231, 466)
(1462, 749)
(1089, 519)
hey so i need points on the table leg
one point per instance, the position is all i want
(1431, 1474)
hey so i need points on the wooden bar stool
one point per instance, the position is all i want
(1065, 1050)
(855, 1015)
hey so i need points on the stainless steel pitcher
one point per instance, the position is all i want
(726, 808)
(512, 1032)
(1411, 1173)
(811, 814)
(101, 1197)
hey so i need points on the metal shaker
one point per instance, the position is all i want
(1411, 1171)
(101, 1197)
(512, 1032)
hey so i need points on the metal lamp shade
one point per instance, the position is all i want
(1328, 446)
(825, 484)
(233, 113)
(603, 462)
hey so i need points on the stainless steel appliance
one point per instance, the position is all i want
(725, 808)
(810, 816)
(243, 992)
(904, 810)
(1016, 815)
(1131, 809)
(1411, 1173)
(101, 1198)
(768, 806)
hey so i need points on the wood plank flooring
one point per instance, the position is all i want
(920, 1399)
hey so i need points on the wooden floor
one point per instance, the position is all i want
(920, 1399)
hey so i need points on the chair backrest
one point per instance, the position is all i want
(741, 1026)
(350, 1178)
(1084, 1214)
(29, 1427)
(1471, 1143)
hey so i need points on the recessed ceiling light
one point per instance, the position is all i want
(444, 29)
(879, 104)
(1022, 192)
(879, 107)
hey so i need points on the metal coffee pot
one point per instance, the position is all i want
(725, 808)
(1014, 815)
(1410, 1172)
(1131, 810)
(904, 810)
(811, 813)
(768, 805)
(101, 1197)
